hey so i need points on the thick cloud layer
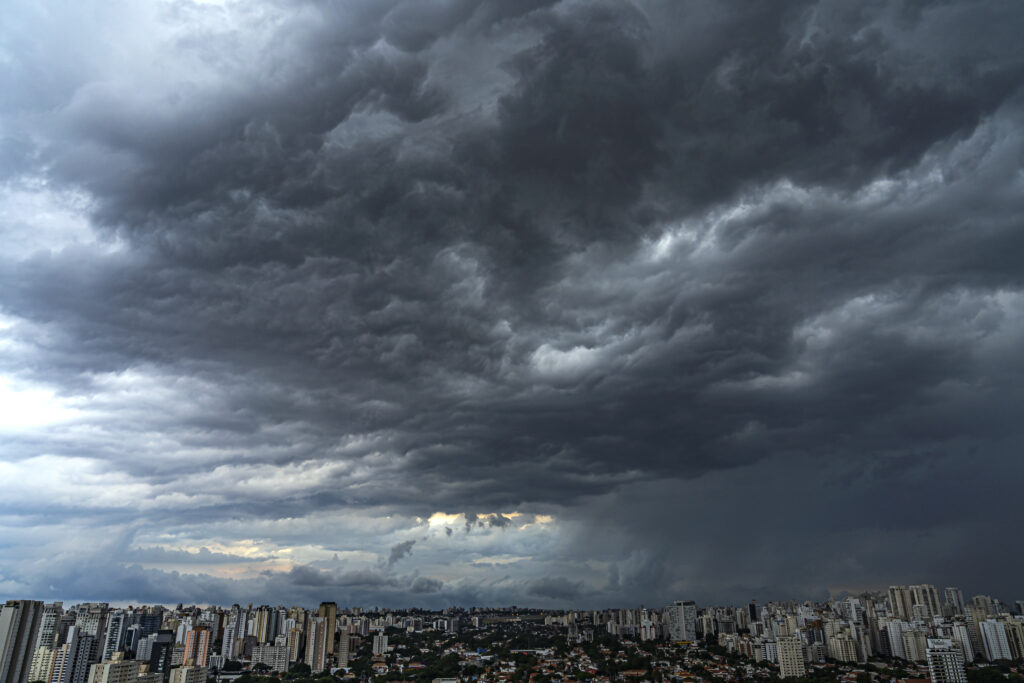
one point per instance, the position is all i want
(588, 302)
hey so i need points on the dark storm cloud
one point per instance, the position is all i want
(399, 551)
(422, 584)
(465, 257)
(556, 588)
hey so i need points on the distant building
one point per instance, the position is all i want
(329, 612)
(915, 645)
(49, 625)
(42, 665)
(117, 628)
(994, 641)
(161, 653)
(71, 660)
(842, 647)
(682, 620)
(19, 625)
(945, 661)
(316, 644)
(901, 602)
(954, 599)
(927, 597)
(791, 657)
(343, 650)
(197, 647)
(118, 670)
(273, 656)
(188, 674)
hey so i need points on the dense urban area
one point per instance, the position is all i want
(903, 634)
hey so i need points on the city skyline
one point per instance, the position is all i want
(550, 303)
(899, 599)
(904, 633)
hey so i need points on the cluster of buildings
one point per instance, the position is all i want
(97, 643)
(907, 623)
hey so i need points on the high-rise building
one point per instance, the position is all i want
(295, 639)
(273, 656)
(49, 625)
(42, 665)
(791, 657)
(915, 645)
(227, 647)
(64, 624)
(71, 660)
(842, 647)
(901, 602)
(316, 644)
(19, 626)
(343, 650)
(380, 644)
(91, 621)
(962, 638)
(197, 647)
(954, 599)
(161, 653)
(188, 674)
(682, 620)
(1015, 637)
(984, 604)
(117, 627)
(893, 631)
(150, 620)
(994, 641)
(117, 670)
(945, 661)
(927, 596)
(329, 611)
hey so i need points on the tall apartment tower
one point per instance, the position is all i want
(994, 641)
(316, 644)
(117, 670)
(329, 611)
(984, 604)
(49, 625)
(161, 653)
(71, 660)
(42, 664)
(791, 657)
(927, 596)
(227, 647)
(343, 650)
(901, 602)
(955, 599)
(19, 625)
(117, 627)
(197, 647)
(682, 620)
(945, 661)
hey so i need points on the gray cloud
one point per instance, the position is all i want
(399, 551)
(556, 588)
(422, 584)
(163, 556)
(549, 258)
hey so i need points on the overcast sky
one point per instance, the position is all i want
(559, 304)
